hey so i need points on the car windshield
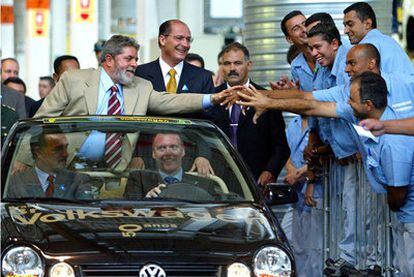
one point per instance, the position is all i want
(122, 159)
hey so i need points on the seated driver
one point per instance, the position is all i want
(168, 152)
(49, 176)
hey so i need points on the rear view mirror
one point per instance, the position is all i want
(279, 194)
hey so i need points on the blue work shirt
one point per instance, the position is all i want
(393, 57)
(301, 72)
(333, 131)
(390, 160)
(297, 141)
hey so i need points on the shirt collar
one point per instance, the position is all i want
(338, 58)
(43, 177)
(165, 68)
(244, 85)
(106, 81)
(178, 175)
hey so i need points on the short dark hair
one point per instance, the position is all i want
(165, 28)
(363, 11)
(292, 53)
(15, 80)
(237, 46)
(327, 31)
(371, 52)
(321, 17)
(286, 18)
(116, 44)
(194, 57)
(372, 87)
(59, 60)
(49, 79)
(39, 135)
(98, 46)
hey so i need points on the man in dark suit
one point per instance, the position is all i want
(17, 84)
(263, 146)
(168, 152)
(49, 177)
(13, 99)
(170, 72)
(61, 64)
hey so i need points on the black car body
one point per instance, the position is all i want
(235, 234)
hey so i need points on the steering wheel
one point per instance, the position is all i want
(186, 191)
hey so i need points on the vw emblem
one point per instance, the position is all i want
(152, 270)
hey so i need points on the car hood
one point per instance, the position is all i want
(69, 229)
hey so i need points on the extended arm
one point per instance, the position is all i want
(400, 126)
(261, 103)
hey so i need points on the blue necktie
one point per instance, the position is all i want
(170, 180)
(234, 122)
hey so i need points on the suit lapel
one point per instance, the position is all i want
(155, 76)
(185, 79)
(131, 96)
(91, 91)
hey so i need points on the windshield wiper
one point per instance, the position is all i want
(45, 199)
(169, 199)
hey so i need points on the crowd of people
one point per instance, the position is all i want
(335, 85)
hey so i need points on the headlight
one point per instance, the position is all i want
(238, 270)
(22, 261)
(272, 262)
(62, 270)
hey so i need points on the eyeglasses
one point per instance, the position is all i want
(182, 38)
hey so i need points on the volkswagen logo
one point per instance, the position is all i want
(152, 270)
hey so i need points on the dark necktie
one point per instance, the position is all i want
(113, 141)
(234, 122)
(51, 187)
(170, 180)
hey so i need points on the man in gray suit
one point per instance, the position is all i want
(168, 152)
(49, 177)
(87, 92)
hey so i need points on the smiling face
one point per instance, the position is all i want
(357, 62)
(297, 30)
(322, 51)
(355, 28)
(175, 45)
(121, 68)
(168, 152)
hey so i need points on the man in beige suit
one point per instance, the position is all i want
(87, 92)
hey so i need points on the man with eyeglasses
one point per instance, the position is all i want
(170, 72)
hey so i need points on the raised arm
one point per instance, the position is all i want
(262, 103)
(399, 126)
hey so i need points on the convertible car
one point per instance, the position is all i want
(93, 196)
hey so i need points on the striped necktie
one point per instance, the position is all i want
(113, 141)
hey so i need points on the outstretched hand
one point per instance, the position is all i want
(226, 97)
(254, 99)
(284, 83)
(373, 125)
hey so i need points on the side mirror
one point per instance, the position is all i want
(279, 194)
